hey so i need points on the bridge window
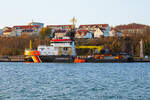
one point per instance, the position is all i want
(41, 49)
(65, 49)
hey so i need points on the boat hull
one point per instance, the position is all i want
(50, 58)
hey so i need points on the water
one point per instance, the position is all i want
(88, 81)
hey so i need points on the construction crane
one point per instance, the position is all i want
(98, 48)
(73, 20)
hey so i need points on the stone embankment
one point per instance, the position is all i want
(19, 58)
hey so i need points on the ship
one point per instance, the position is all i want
(60, 50)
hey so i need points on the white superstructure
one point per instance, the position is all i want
(63, 46)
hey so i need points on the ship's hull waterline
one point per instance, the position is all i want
(49, 59)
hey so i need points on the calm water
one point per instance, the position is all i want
(49, 81)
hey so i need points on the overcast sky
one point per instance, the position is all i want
(113, 12)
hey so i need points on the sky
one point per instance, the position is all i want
(59, 12)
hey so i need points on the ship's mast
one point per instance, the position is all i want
(30, 45)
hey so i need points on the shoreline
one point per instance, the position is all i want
(20, 58)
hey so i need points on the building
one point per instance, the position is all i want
(93, 27)
(96, 30)
(27, 30)
(60, 34)
(37, 23)
(83, 34)
(6, 28)
(60, 27)
(115, 32)
(8, 32)
(132, 28)
(98, 33)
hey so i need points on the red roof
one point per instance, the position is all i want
(83, 31)
(9, 30)
(90, 25)
(58, 25)
(8, 27)
(27, 26)
(60, 31)
(132, 26)
(115, 29)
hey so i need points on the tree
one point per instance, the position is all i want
(45, 32)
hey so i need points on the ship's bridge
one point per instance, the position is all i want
(61, 42)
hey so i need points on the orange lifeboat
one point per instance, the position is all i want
(77, 60)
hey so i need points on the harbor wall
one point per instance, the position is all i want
(19, 58)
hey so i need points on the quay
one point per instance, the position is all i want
(20, 58)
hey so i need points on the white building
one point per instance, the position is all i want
(8, 32)
(98, 33)
(37, 23)
(27, 30)
(97, 29)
